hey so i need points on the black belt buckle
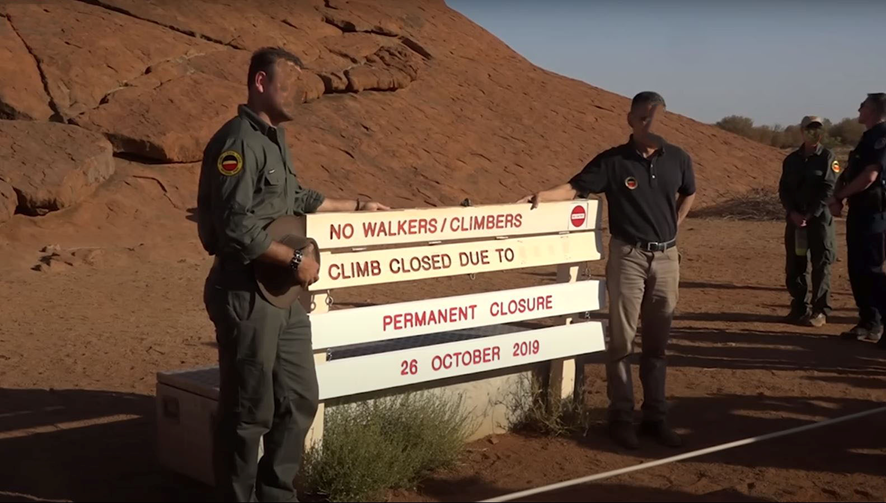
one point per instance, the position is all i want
(654, 247)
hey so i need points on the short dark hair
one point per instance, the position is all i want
(647, 98)
(879, 102)
(264, 59)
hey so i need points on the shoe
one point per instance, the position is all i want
(623, 433)
(873, 336)
(662, 433)
(817, 320)
(862, 333)
(795, 317)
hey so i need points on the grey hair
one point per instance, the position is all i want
(647, 98)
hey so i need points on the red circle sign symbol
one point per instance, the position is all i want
(578, 216)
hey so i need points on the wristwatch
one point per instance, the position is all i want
(296, 260)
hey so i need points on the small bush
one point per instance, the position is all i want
(847, 132)
(755, 205)
(533, 412)
(742, 126)
(389, 443)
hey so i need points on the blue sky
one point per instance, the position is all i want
(774, 61)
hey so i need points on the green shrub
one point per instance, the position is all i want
(389, 443)
(532, 411)
(847, 132)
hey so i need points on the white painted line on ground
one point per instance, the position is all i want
(681, 457)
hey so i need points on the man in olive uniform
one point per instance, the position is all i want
(862, 185)
(641, 179)
(268, 381)
(807, 182)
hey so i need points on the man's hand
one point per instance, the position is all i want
(372, 206)
(684, 204)
(797, 219)
(563, 192)
(334, 205)
(308, 271)
(836, 207)
(532, 198)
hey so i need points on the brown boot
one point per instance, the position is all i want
(661, 432)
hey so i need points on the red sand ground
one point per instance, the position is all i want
(78, 371)
(445, 111)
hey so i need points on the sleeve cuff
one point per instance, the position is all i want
(313, 201)
(256, 248)
(580, 192)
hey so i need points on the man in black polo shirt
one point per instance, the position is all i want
(864, 186)
(807, 182)
(641, 180)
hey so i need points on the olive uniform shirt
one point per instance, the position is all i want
(807, 182)
(246, 182)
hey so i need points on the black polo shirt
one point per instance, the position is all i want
(870, 150)
(641, 193)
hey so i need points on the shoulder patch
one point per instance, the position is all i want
(880, 143)
(230, 163)
(835, 166)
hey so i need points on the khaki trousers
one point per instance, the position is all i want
(642, 285)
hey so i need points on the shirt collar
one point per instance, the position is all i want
(801, 151)
(633, 148)
(246, 113)
(275, 134)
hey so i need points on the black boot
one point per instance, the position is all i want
(661, 432)
(624, 434)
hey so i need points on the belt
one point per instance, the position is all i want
(652, 246)
(229, 264)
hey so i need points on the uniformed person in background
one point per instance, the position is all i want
(641, 179)
(863, 186)
(268, 380)
(807, 182)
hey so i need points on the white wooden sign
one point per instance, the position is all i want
(363, 374)
(408, 319)
(357, 230)
(375, 267)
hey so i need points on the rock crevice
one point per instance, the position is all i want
(56, 114)
(190, 33)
